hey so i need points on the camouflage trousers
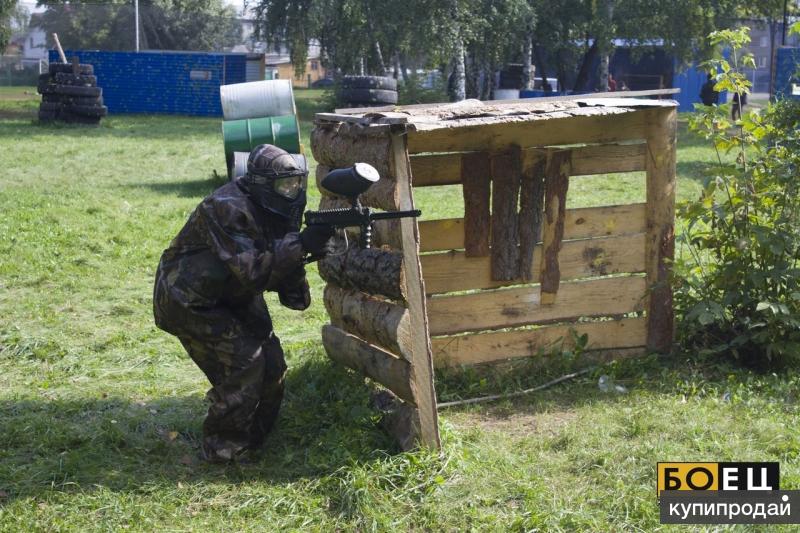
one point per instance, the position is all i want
(246, 375)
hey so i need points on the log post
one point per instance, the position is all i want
(342, 144)
(378, 322)
(555, 206)
(506, 172)
(531, 204)
(421, 353)
(368, 270)
(476, 184)
(660, 238)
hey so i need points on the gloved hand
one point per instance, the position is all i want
(315, 238)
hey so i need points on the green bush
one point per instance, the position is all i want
(738, 287)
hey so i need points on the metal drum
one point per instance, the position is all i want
(268, 98)
(244, 135)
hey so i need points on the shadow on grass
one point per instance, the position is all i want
(121, 444)
(187, 189)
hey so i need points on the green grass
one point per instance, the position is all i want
(100, 412)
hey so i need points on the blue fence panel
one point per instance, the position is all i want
(184, 83)
(787, 81)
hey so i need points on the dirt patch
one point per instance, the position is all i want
(545, 424)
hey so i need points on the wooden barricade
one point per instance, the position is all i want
(519, 272)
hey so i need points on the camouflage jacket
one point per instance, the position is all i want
(228, 252)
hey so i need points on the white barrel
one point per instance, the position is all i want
(257, 99)
(506, 94)
(240, 163)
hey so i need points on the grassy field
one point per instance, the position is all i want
(100, 412)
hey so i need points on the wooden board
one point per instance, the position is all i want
(421, 381)
(451, 271)
(506, 175)
(387, 369)
(582, 223)
(384, 324)
(495, 346)
(445, 169)
(531, 203)
(436, 169)
(660, 242)
(476, 181)
(608, 158)
(602, 127)
(555, 209)
(523, 306)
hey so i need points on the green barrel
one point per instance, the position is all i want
(244, 135)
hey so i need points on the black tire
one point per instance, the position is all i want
(71, 118)
(83, 68)
(369, 96)
(78, 90)
(87, 110)
(45, 88)
(52, 98)
(81, 100)
(47, 116)
(50, 106)
(44, 79)
(65, 78)
(369, 82)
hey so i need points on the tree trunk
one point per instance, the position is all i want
(459, 72)
(379, 55)
(603, 73)
(540, 65)
(773, 29)
(583, 73)
(528, 70)
(367, 270)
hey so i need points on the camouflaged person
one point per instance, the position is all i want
(241, 240)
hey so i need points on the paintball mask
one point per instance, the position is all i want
(276, 181)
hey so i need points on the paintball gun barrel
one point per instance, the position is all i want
(352, 182)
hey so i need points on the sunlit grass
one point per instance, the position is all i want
(100, 411)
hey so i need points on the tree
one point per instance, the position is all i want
(164, 24)
(7, 9)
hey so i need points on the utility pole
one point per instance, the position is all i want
(136, 16)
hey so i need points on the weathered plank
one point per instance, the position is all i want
(660, 242)
(555, 207)
(608, 158)
(522, 306)
(436, 169)
(582, 223)
(372, 271)
(451, 271)
(384, 324)
(379, 365)
(495, 346)
(343, 144)
(497, 135)
(531, 205)
(420, 346)
(506, 174)
(382, 195)
(476, 182)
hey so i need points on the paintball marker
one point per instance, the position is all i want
(352, 182)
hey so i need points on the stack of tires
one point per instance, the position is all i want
(70, 94)
(368, 91)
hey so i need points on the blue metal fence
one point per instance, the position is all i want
(182, 83)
